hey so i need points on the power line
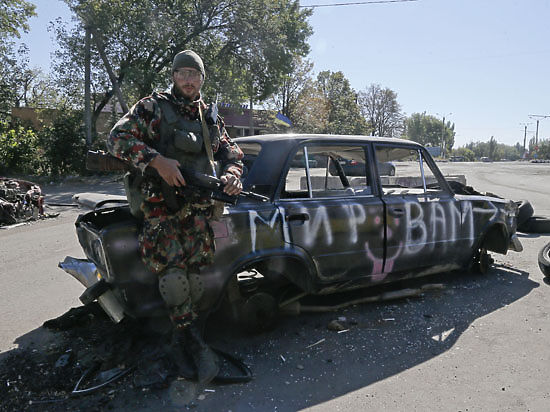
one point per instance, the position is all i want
(356, 3)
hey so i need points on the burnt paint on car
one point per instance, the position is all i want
(318, 244)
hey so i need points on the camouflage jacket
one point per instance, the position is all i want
(137, 132)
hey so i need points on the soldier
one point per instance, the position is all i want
(164, 131)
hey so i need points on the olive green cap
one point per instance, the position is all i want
(188, 58)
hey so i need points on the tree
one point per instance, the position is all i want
(428, 130)
(544, 149)
(492, 148)
(466, 153)
(63, 144)
(13, 19)
(311, 114)
(18, 149)
(343, 112)
(247, 46)
(286, 98)
(380, 109)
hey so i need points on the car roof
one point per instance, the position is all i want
(298, 138)
(276, 147)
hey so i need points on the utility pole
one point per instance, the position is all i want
(524, 137)
(443, 134)
(87, 97)
(538, 117)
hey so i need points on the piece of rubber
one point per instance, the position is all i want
(535, 224)
(544, 260)
(525, 211)
(94, 291)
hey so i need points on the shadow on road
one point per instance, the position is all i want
(301, 363)
(383, 340)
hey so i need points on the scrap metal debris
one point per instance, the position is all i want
(20, 201)
(93, 356)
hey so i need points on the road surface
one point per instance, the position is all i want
(481, 344)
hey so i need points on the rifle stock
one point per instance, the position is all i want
(208, 185)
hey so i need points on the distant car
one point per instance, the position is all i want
(386, 168)
(316, 233)
(485, 159)
(456, 158)
(299, 161)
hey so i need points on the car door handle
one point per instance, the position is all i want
(396, 211)
(298, 216)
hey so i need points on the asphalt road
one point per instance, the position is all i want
(479, 344)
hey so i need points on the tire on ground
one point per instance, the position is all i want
(535, 224)
(544, 260)
(525, 211)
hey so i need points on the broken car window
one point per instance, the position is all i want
(405, 171)
(327, 171)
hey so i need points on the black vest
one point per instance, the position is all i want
(182, 139)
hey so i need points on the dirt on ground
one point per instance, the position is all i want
(88, 350)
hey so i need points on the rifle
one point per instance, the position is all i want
(207, 185)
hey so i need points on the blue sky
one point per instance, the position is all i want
(484, 64)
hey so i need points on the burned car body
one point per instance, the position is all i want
(320, 232)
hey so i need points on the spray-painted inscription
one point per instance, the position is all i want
(422, 227)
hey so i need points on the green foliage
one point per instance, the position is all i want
(286, 98)
(544, 149)
(311, 112)
(247, 45)
(382, 112)
(13, 17)
(19, 151)
(343, 112)
(57, 149)
(467, 154)
(493, 150)
(430, 131)
(64, 144)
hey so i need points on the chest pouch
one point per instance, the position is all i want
(187, 141)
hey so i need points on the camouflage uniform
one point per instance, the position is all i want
(183, 239)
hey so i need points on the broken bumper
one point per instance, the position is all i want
(86, 273)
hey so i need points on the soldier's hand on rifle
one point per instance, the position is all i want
(168, 169)
(232, 185)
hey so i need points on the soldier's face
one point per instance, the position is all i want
(188, 81)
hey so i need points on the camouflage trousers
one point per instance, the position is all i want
(182, 240)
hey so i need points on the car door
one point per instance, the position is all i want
(423, 217)
(336, 219)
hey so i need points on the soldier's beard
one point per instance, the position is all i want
(189, 92)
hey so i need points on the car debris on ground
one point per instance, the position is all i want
(20, 201)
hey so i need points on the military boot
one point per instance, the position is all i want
(204, 358)
(177, 352)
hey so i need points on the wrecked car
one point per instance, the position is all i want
(321, 231)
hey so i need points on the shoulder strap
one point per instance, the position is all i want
(207, 142)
